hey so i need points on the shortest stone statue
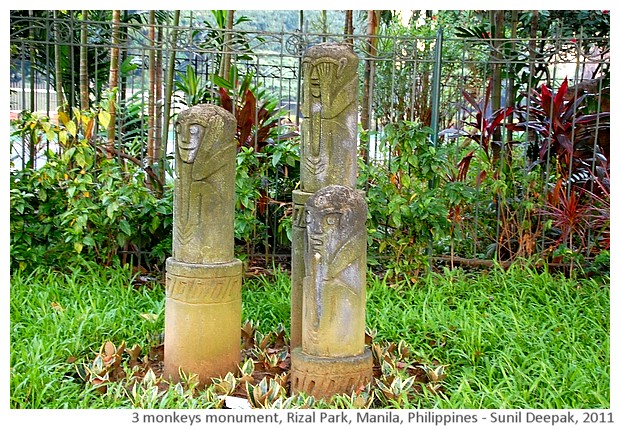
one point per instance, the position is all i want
(204, 194)
(332, 358)
(203, 279)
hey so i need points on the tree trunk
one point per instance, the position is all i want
(531, 134)
(169, 87)
(113, 82)
(123, 78)
(348, 26)
(157, 153)
(151, 105)
(225, 64)
(60, 95)
(32, 153)
(497, 20)
(84, 90)
(511, 96)
(373, 25)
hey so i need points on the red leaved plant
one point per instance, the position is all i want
(566, 130)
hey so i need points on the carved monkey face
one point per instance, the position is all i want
(326, 228)
(189, 136)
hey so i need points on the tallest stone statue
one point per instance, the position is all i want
(328, 145)
(329, 107)
(328, 279)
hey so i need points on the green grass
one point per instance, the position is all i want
(59, 317)
(515, 339)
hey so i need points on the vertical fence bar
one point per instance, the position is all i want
(458, 127)
(23, 82)
(436, 89)
(33, 107)
(169, 91)
(435, 99)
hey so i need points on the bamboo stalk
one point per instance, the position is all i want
(84, 103)
(113, 81)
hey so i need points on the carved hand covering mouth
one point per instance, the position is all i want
(324, 70)
(323, 231)
(332, 217)
(329, 62)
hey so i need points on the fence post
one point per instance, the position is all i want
(435, 99)
(435, 93)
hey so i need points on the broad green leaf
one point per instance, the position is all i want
(63, 117)
(78, 247)
(155, 223)
(76, 114)
(80, 159)
(125, 227)
(71, 128)
(405, 180)
(111, 209)
(396, 219)
(162, 209)
(276, 158)
(104, 118)
(62, 136)
(50, 135)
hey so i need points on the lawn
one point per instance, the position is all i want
(507, 339)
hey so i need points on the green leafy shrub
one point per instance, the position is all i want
(264, 186)
(411, 202)
(80, 204)
(61, 211)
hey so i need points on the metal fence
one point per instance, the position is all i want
(404, 81)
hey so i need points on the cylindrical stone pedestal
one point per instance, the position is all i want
(203, 318)
(324, 377)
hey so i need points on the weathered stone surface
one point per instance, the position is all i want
(203, 284)
(203, 319)
(203, 280)
(329, 107)
(328, 145)
(328, 278)
(297, 264)
(204, 192)
(334, 288)
(323, 377)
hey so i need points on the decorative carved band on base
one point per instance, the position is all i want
(203, 318)
(203, 283)
(323, 377)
